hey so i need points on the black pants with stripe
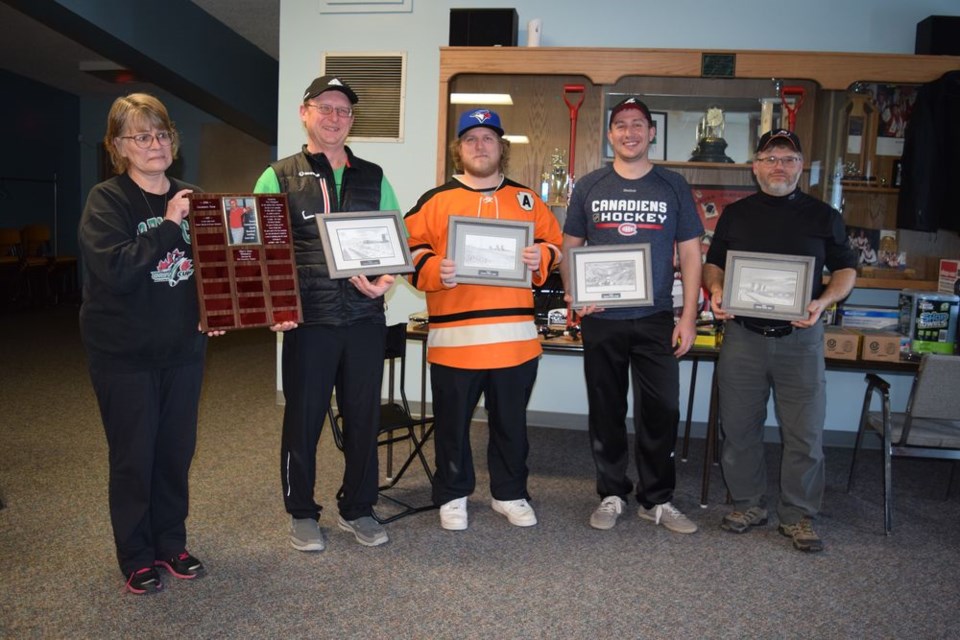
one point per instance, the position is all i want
(150, 420)
(613, 350)
(455, 395)
(315, 360)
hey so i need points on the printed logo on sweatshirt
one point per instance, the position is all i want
(173, 269)
(629, 216)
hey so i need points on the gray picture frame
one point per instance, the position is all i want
(611, 276)
(768, 285)
(369, 243)
(488, 251)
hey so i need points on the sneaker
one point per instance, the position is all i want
(669, 516)
(453, 515)
(519, 512)
(145, 580)
(305, 534)
(804, 537)
(605, 516)
(741, 521)
(366, 530)
(183, 566)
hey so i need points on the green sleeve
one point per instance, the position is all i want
(388, 199)
(267, 182)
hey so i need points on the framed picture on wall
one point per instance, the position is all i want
(711, 200)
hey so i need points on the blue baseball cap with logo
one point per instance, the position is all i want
(479, 118)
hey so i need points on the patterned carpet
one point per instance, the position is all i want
(560, 579)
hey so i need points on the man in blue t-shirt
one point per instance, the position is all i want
(628, 203)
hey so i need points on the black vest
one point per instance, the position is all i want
(307, 180)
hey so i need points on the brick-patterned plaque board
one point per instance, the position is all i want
(243, 250)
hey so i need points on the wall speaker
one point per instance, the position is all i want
(939, 36)
(483, 27)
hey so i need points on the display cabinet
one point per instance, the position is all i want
(830, 99)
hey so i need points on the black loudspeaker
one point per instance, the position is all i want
(483, 27)
(939, 36)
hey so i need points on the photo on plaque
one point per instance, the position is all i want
(242, 222)
(489, 251)
(768, 285)
(370, 243)
(243, 253)
(611, 276)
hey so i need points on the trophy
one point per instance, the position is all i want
(710, 142)
(555, 183)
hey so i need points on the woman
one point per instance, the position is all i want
(139, 326)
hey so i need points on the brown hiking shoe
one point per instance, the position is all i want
(741, 521)
(804, 537)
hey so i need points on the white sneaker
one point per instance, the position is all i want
(453, 515)
(605, 516)
(518, 512)
(669, 516)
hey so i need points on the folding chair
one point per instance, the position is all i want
(397, 425)
(928, 428)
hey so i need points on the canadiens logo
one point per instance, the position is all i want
(627, 229)
(173, 269)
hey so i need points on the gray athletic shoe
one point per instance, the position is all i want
(605, 516)
(305, 534)
(366, 530)
(669, 516)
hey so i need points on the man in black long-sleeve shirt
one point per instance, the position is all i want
(760, 355)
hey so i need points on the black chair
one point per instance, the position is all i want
(397, 425)
(928, 428)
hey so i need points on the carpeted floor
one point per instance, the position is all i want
(560, 579)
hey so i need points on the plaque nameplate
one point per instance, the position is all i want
(243, 251)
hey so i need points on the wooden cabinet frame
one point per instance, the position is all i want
(606, 66)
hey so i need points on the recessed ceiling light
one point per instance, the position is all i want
(481, 98)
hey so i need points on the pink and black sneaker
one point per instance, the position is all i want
(145, 580)
(182, 565)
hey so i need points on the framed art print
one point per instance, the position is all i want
(611, 276)
(488, 251)
(371, 243)
(768, 285)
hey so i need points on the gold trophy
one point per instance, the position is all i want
(710, 143)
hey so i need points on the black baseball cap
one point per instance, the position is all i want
(779, 135)
(329, 83)
(631, 103)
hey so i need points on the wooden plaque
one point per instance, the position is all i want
(243, 250)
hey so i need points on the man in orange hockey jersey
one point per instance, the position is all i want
(482, 337)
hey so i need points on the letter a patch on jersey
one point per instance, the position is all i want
(525, 198)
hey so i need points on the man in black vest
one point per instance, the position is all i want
(342, 338)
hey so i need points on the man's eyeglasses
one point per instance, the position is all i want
(327, 109)
(145, 140)
(788, 162)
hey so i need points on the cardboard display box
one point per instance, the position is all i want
(863, 317)
(949, 281)
(929, 320)
(883, 346)
(841, 343)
